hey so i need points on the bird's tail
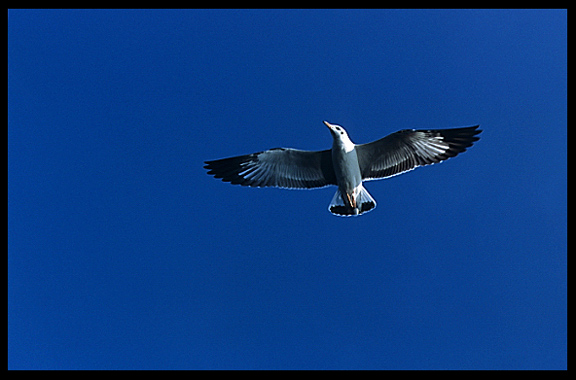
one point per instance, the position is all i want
(363, 202)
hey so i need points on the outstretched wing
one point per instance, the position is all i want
(407, 149)
(279, 167)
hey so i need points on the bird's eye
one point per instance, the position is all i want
(341, 133)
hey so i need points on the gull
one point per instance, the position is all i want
(346, 165)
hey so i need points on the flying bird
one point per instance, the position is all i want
(346, 165)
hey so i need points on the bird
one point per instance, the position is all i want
(346, 165)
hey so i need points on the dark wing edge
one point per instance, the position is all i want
(278, 167)
(407, 149)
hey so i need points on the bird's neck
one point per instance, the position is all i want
(344, 143)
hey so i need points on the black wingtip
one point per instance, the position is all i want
(475, 129)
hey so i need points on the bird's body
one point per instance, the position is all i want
(346, 165)
(348, 176)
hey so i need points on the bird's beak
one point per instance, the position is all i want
(328, 124)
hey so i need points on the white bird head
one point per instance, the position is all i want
(340, 136)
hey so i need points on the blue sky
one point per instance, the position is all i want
(124, 254)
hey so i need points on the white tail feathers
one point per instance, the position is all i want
(362, 199)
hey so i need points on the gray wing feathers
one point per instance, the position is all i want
(409, 148)
(279, 167)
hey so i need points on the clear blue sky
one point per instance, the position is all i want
(124, 254)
